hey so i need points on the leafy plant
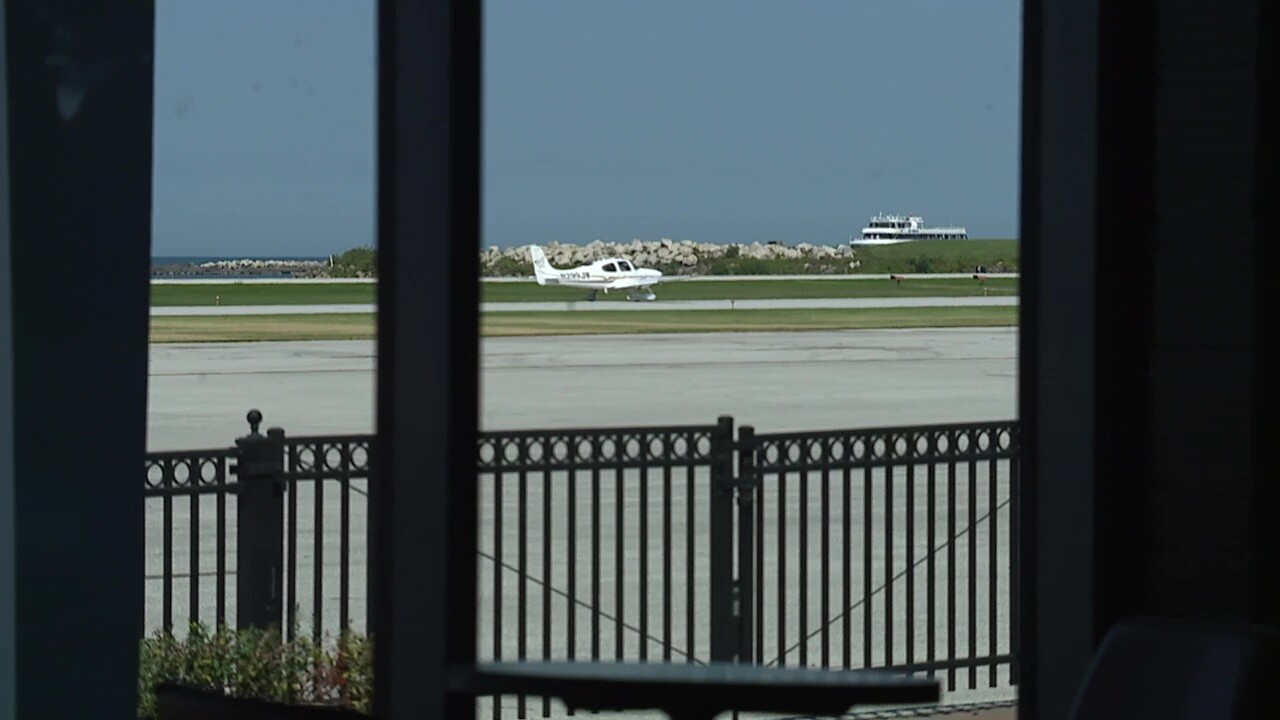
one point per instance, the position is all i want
(255, 663)
(356, 262)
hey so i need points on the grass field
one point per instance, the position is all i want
(236, 328)
(941, 255)
(361, 326)
(302, 293)
(323, 294)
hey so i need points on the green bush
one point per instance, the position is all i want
(508, 267)
(356, 262)
(259, 664)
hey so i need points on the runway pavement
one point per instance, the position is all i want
(775, 381)
(200, 392)
(586, 306)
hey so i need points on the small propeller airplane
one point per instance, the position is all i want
(607, 274)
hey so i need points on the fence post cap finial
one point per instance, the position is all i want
(255, 420)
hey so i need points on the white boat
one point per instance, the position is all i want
(893, 229)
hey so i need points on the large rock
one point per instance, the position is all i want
(677, 256)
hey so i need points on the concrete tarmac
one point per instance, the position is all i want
(199, 393)
(775, 381)
(587, 306)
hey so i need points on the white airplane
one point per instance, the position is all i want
(607, 274)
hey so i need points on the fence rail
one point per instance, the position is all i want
(879, 548)
(840, 533)
(178, 487)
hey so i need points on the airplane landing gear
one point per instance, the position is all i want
(641, 295)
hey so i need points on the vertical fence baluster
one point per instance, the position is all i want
(643, 520)
(571, 563)
(782, 569)
(802, 632)
(317, 577)
(166, 571)
(619, 548)
(748, 579)
(760, 498)
(497, 570)
(1014, 574)
(972, 579)
(691, 533)
(344, 543)
(910, 513)
(932, 576)
(546, 572)
(522, 581)
(370, 533)
(221, 530)
(826, 562)
(195, 474)
(595, 562)
(888, 554)
(846, 609)
(993, 572)
(667, 589)
(867, 537)
(291, 558)
(951, 561)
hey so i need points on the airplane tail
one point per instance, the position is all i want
(542, 269)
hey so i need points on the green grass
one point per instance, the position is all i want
(324, 294)
(237, 328)
(361, 326)
(300, 293)
(766, 289)
(936, 256)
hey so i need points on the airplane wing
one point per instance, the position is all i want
(625, 283)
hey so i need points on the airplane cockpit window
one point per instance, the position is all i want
(625, 266)
(610, 268)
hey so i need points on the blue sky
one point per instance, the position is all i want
(710, 120)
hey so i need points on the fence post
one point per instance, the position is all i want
(723, 620)
(259, 526)
(745, 587)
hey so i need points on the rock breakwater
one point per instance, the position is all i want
(672, 257)
(244, 268)
(682, 257)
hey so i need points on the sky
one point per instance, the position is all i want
(707, 120)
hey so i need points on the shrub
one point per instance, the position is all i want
(505, 266)
(356, 262)
(259, 664)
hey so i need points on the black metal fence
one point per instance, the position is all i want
(877, 548)
(882, 548)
